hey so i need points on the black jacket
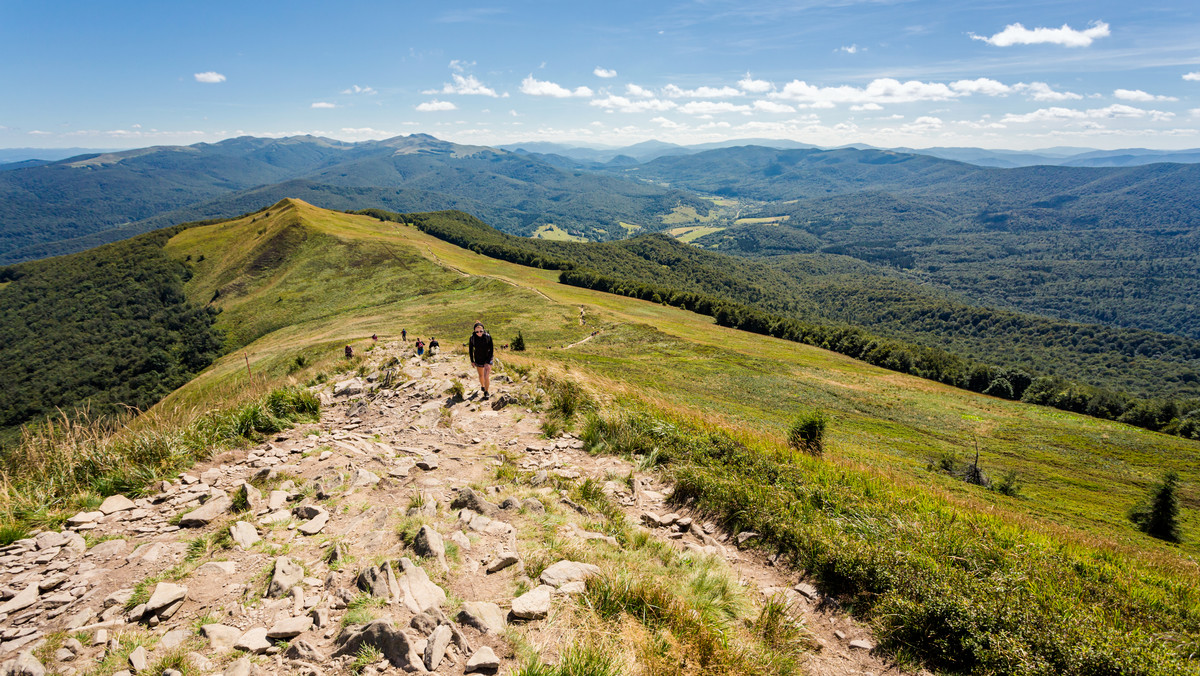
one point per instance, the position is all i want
(480, 348)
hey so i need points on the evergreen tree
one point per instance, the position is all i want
(1160, 518)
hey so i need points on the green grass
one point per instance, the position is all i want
(950, 588)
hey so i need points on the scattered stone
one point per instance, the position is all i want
(116, 503)
(510, 503)
(562, 572)
(745, 535)
(210, 510)
(303, 650)
(501, 561)
(84, 518)
(217, 568)
(138, 660)
(24, 664)
(534, 604)
(316, 524)
(395, 644)
(174, 638)
(428, 462)
(428, 543)
(361, 478)
(287, 575)
(417, 591)
(220, 636)
(861, 644)
(486, 617)
(165, 594)
(290, 627)
(108, 549)
(27, 597)
(374, 581)
(435, 649)
(484, 659)
(807, 591)
(254, 641)
(242, 667)
(533, 506)
(469, 499)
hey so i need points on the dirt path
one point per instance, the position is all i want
(352, 505)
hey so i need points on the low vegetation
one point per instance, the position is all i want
(67, 465)
(947, 587)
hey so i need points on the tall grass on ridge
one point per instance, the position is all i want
(67, 463)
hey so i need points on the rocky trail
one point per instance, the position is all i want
(389, 537)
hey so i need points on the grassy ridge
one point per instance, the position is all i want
(961, 574)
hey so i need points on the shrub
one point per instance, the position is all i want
(518, 343)
(1159, 518)
(807, 433)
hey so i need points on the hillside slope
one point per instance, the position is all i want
(917, 553)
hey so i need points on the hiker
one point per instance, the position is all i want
(479, 348)
(374, 337)
(420, 347)
(404, 335)
(349, 352)
(433, 346)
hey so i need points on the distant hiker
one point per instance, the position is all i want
(433, 346)
(479, 348)
(420, 347)
(404, 335)
(349, 352)
(374, 337)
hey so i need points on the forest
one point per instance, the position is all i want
(102, 331)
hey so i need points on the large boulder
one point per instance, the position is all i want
(417, 591)
(534, 604)
(484, 616)
(563, 572)
(469, 499)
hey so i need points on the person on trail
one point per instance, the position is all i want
(433, 346)
(404, 335)
(349, 352)
(479, 347)
(420, 347)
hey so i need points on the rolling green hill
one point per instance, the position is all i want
(1053, 579)
(85, 201)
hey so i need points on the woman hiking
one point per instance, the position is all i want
(479, 348)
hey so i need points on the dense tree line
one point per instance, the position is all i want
(1180, 417)
(103, 329)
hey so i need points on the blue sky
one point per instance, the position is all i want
(1015, 75)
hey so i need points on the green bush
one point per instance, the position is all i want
(807, 433)
(518, 343)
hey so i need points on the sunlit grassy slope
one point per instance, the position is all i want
(301, 281)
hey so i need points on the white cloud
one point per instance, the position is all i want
(535, 87)
(209, 77)
(323, 104)
(626, 105)
(436, 106)
(712, 107)
(867, 106)
(1016, 34)
(700, 92)
(355, 89)
(635, 90)
(665, 123)
(1114, 111)
(460, 66)
(1139, 95)
(38, 132)
(749, 84)
(1040, 91)
(1194, 112)
(1193, 77)
(883, 90)
(366, 132)
(852, 49)
(773, 107)
(604, 72)
(467, 85)
(981, 85)
(923, 123)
